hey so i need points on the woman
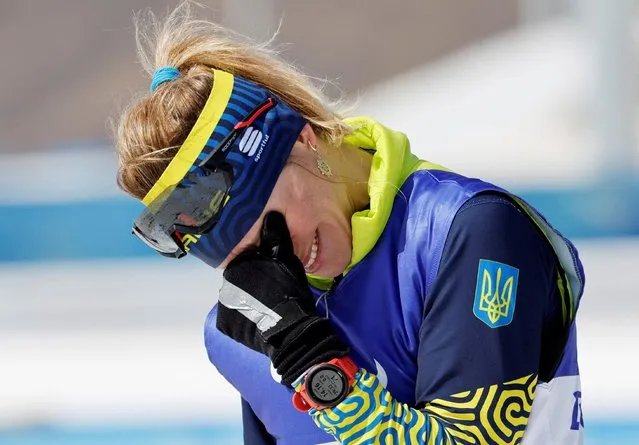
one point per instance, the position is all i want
(368, 296)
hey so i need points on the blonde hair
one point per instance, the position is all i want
(151, 129)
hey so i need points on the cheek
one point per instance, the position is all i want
(333, 225)
(295, 196)
(283, 192)
(336, 248)
(312, 204)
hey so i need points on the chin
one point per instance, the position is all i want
(334, 253)
(333, 270)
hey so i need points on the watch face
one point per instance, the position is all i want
(327, 385)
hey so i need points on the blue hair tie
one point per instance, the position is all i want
(164, 74)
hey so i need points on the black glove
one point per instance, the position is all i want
(266, 304)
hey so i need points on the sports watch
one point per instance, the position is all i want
(325, 385)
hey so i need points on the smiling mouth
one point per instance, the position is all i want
(313, 255)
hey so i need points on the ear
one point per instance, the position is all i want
(307, 135)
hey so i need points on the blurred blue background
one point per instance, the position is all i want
(101, 342)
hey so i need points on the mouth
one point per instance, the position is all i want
(311, 262)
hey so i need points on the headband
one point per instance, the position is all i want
(256, 159)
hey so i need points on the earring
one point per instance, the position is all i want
(322, 165)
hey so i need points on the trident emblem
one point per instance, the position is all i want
(496, 293)
(495, 305)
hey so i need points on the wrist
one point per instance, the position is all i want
(311, 343)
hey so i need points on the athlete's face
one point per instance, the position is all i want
(317, 211)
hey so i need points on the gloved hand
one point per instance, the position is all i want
(265, 304)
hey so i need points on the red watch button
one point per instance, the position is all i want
(300, 403)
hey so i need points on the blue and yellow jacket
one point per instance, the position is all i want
(458, 306)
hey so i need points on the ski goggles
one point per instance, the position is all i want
(217, 185)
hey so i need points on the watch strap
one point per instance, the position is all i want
(303, 401)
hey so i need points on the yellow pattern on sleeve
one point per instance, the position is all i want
(497, 414)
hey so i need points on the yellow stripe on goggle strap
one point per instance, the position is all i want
(198, 136)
